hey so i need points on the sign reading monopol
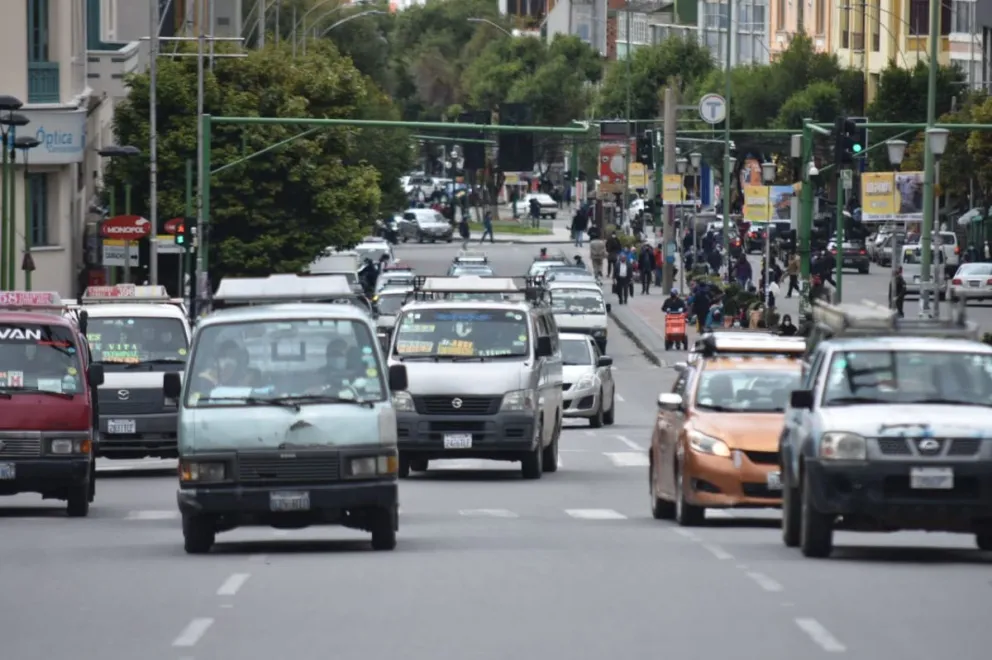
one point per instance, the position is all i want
(117, 232)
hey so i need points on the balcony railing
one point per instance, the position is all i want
(43, 82)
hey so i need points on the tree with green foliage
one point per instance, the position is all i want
(276, 212)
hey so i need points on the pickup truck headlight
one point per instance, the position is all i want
(372, 466)
(843, 447)
(519, 401)
(203, 472)
(587, 382)
(403, 402)
(69, 446)
(705, 444)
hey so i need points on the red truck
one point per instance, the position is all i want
(48, 412)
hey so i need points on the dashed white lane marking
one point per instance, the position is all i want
(560, 464)
(820, 635)
(718, 513)
(233, 584)
(686, 533)
(620, 398)
(595, 514)
(487, 513)
(764, 581)
(152, 515)
(717, 551)
(628, 459)
(589, 433)
(630, 443)
(192, 633)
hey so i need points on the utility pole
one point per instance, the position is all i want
(630, 133)
(153, 142)
(726, 138)
(926, 278)
(667, 228)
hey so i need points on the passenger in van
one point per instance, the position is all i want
(229, 370)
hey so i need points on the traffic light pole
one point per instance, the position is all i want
(187, 254)
(839, 258)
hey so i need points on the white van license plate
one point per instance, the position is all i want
(774, 481)
(458, 441)
(289, 501)
(7, 471)
(925, 478)
(122, 426)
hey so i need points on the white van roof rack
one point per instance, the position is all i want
(285, 288)
(426, 288)
(869, 319)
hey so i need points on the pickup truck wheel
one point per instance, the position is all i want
(532, 464)
(198, 535)
(984, 542)
(816, 530)
(384, 525)
(660, 509)
(78, 500)
(791, 514)
(686, 515)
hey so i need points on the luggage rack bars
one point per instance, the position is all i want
(427, 287)
(740, 344)
(868, 319)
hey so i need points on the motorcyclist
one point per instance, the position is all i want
(674, 304)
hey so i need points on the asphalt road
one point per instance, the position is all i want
(488, 567)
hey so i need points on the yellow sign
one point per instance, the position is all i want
(638, 176)
(674, 189)
(757, 205)
(878, 196)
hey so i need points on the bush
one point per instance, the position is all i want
(987, 338)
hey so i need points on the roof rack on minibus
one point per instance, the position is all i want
(869, 319)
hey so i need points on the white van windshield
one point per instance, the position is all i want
(292, 362)
(442, 333)
(577, 301)
(126, 340)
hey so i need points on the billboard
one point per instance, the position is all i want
(892, 196)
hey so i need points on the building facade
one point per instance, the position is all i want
(585, 19)
(787, 18)
(983, 22)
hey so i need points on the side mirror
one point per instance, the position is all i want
(609, 308)
(801, 399)
(543, 348)
(172, 384)
(604, 361)
(669, 401)
(398, 378)
(95, 375)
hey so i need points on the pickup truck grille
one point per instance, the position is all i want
(948, 447)
(19, 447)
(253, 468)
(466, 405)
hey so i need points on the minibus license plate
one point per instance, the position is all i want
(289, 501)
(458, 441)
(927, 478)
(121, 426)
(774, 480)
(7, 471)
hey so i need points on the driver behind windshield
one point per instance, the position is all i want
(230, 368)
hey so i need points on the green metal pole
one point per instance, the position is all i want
(726, 140)
(3, 212)
(187, 256)
(204, 221)
(28, 224)
(926, 277)
(127, 243)
(410, 125)
(805, 223)
(627, 160)
(112, 191)
(839, 244)
(10, 239)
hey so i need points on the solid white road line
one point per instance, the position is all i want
(595, 514)
(765, 582)
(820, 635)
(233, 584)
(487, 513)
(589, 433)
(280, 532)
(717, 551)
(152, 515)
(630, 443)
(559, 462)
(628, 459)
(192, 633)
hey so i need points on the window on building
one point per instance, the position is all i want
(963, 17)
(919, 18)
(108, 20)
(639, 29)
(875, 17)
(38, 30)
(821, 16)
(40, 234)
(845, 26)
(758, 19)
(780, 19)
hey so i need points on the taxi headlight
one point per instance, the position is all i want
(402, 402)
(519, 401)
(207, 471)
(66, 446)
(587, 382)
(705, 444)
(843, 447)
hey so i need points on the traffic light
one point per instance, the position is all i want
(516, 150)
(180, 236)
(645, 150)
(861, 138)
(848, 141)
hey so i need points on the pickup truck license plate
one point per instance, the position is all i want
(931, 478)
(458, 441)
(289, 501)
(123, 426)
(7, 471)
(774, 480)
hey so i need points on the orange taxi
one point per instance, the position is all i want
(715, 440)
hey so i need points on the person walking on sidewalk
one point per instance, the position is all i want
(487, 227)
(623, 272)
(792, 270)
(580, 222)
(742, 272)
(598, 254)
(646, 265)
(613, 249)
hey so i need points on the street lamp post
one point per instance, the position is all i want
(26, 143)
(121, 152)
(768, 178)
(696, 161)
(490, 23)
(370, 12)
(13, 120)
(681, 165)
(896, 150)
(9, 121)
(937, 145)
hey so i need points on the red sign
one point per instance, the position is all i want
(611, 163)
(172, 226)
(29, 299)
(126, 228)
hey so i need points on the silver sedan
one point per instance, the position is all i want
(589, 391)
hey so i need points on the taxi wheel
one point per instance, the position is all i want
(610, 415)
(816, 530)
(984, 542)
(384, 524)
(597, 420)
(198, 535)
(791, 515)
(549, 461)
(660, 509)
(78, 501)
(686, 515)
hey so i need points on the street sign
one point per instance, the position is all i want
(126, 227)
(847, 179)
(712, 108)
(171, 225)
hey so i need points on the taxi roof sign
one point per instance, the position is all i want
(30, 300)
(125, 293)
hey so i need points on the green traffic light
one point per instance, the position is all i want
(856, 148)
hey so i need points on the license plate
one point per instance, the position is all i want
(973, 284)
(774, 481)
(122, 426)
(931, 478)
(289, 501)
(458, 441)
(7, 471)
(916, 278)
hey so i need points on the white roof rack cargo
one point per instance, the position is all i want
(426, 288)
(868, 319)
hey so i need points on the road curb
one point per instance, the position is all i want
(653, 357)
(533, 241)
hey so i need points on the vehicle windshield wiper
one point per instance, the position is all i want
(164, 360)
(253, 401)
(8, 391)
(404, 358)
(323, 398)
(716, 408)
(950, 402)
(855, 400)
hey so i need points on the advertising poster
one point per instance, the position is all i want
(757, 204)
(892, 197)
(611, 162)
(638, 176)
(674, 190)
